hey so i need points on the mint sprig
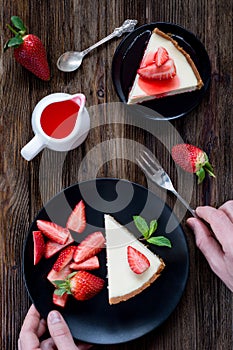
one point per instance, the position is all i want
(148, 230)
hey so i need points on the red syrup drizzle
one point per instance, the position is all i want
(156, 87)
(59, 118)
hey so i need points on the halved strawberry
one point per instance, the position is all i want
(77, 219)
(153, 72)
(61, 275)
(161, 56)
(89, 247)
(64, 258)
(39, 246)
(51, 248)
(89, 264)
(82, 285)
(60, 300)
(138, 262)
(53, 231)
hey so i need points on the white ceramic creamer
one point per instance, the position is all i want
(60, 122)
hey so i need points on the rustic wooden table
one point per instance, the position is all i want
(203, 319)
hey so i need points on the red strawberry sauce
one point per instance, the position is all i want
(156, 87)
(58, 119)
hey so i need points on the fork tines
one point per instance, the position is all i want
(148, 164)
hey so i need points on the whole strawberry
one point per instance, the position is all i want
(193, 160)
(82, 285)
(28, 50)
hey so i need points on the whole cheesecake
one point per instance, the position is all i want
(123, 283)
(166, 69)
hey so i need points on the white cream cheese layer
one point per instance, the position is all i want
(121, 279)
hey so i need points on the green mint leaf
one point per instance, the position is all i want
(141, 225)
(153, 227)
(18, 23)
(160, 241)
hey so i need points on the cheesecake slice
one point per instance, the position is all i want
(123, 283)
(166, 69)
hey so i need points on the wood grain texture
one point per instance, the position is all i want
(203, 319)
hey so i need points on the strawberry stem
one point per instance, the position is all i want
(12, 29)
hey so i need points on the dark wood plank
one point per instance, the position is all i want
(203, 318)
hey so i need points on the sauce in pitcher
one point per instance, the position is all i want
(59, 118)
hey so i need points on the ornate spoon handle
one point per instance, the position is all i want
(127, 26)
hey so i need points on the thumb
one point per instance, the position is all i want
(60, 332)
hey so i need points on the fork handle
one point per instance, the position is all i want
(187, 206)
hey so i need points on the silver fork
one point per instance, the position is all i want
(157, 174)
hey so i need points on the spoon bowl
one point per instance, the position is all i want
(70, 61)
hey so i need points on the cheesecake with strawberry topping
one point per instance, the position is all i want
(166, 69)
(131, 266)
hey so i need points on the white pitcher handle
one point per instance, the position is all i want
(32, 148)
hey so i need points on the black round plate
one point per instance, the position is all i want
(129, 54)
(96, 321)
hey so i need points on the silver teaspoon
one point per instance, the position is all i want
(72, 60)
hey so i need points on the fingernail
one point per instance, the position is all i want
(54, 317)
(190, 223)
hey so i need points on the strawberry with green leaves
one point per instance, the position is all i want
(28, 50)
(82, 285)
(193, 160)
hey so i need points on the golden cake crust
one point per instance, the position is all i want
(116, 300)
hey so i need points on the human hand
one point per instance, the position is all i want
(217, 246)
(34, 327)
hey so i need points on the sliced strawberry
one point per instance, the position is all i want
(64, 258)
(39, 246)
(77, 219)
(82, 285)
(138, 262)
(147, 59)
(89, 247)
(61, 275)
(52, 248)
(161, 56)
(89, 264)
(60, 300)
(153, 72)
(53, 231)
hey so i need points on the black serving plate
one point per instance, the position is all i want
(129, 54)
(96, 321)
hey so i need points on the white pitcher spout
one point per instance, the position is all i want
(80, 99)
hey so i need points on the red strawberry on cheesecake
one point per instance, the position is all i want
(162, 67)
(192, 159)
